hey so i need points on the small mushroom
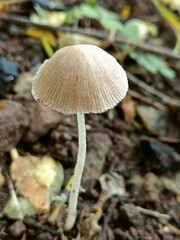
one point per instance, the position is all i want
(79, 79)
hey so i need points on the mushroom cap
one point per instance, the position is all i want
(80, 79)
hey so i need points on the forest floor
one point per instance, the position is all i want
(132, 173)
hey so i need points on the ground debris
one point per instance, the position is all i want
(13, 122)
(147, 188)
(158, 156)
(130, 215)
(98, 144)
(17, 228)
(41, 118)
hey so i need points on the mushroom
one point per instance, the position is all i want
(79, 79)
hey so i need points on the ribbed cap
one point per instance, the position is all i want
(80, 79)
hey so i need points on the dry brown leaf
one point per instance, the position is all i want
(129, 109)
(22, 172)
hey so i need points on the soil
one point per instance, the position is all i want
(126, 196)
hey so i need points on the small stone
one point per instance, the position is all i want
(98, 147)
(44, 236)
(133, 231)
(17, 229)
(119, 234)
(8, 70)
(131, 216)
(159, 156)
(13, 122)
(151, 188)
(41, 118)
(23, 82)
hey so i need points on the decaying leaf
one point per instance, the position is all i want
(45, 17)
(25, 206)
(47, 39)
(25, 171)
(45, 171)
(129, 109)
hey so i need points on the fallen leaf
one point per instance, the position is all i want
(45, 17)
(45, 171)
(129, 109)
(26, 170)
(22, 172)
(25, 206)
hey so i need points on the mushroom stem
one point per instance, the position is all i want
(73, 199)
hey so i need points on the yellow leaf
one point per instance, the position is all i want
(125, 12)
(39, 33)
(47, 47)
(169, 16)
(45, 171)
(22, 172)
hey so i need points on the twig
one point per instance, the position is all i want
(173, 229)
(156, 214)
(93, 33)
(164, 98)
(8, 2)
(169, 139)
(14, 197)
(33, 223)
(147, 100)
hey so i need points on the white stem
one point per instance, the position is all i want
(73, 199)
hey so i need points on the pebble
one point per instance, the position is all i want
(98, 147)
(17, 228)
(151, 188)
(147, 188)
(131, 216)
(159, 156)
(13, 122)
(41, 118)
(44, 236)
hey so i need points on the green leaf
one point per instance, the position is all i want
(168, 15)
(167, 72)
(153, 64)
(130, 32)
(89, 11)
(111, 24)
(25, 206)
(47, 47)
(106, 14)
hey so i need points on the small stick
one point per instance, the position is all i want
(164, 98)
(163, 51)
(154, 213)
(8, 2)
(147, 100)
(169, 139)
(173, 229)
